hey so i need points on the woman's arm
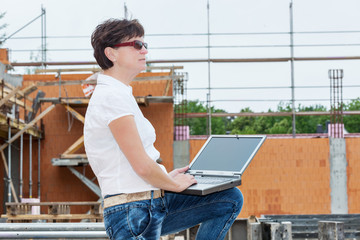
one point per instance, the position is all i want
(126, 135)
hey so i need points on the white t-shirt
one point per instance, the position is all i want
(111, 100)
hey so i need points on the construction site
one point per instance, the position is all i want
(47, 177)
(298, 186)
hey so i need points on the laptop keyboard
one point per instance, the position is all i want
(210, 180)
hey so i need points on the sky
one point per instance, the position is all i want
(180, 24)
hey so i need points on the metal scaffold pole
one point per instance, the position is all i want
(209, 72)
(43, 37)
(292, 69)
(30, 166)
(21, 165)
(39, 169)
(9, 165)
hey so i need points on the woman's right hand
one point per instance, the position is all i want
(183, 181)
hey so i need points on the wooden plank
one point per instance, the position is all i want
(29, 89)
(23, 93)
(76, 146)
(68, 70)
(4, 120)
(77, 115)
(62, 70)
(57, 209)
(142, 101)
(73, 155)
(14, 100)
(78, 82)
(9, 95)
(76, 101)
(40, 116)
(167, 88)
(155, 78)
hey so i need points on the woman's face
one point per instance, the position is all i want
(130, 58)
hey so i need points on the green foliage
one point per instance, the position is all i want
(243, 125)
(308, 124)
(352, 122)
(198, 126)
(268, 124)
(283, 126)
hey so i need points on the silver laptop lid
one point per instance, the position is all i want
(226, 154)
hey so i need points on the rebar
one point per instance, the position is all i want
(181, 130)
(336, 103)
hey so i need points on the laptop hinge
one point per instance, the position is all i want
(238, 175)
(219, 174)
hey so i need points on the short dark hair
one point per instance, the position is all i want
(110, 33)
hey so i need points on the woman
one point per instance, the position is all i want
(119, 143)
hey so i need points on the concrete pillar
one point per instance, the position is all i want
(276, 231)
(338, 176)
(331, 230)
(181, 153)
(254, 231)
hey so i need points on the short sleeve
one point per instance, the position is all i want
(116, 105)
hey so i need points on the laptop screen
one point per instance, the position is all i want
(227, 153)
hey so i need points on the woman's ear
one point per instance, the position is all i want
(110, 54)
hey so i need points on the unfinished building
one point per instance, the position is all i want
(42, 131)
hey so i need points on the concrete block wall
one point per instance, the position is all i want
(292, 176)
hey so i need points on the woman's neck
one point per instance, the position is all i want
(122, 75)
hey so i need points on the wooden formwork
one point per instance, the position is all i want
(56, 212)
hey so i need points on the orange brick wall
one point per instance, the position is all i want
(292, 176)
(353, 158)
(4, 58)
(195, 146)
(58, 183)
(161, 117)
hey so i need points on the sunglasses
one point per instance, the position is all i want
(136, 44)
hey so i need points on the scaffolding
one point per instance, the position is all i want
(12, 98)
(16, 119)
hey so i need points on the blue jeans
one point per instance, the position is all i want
(149, 219)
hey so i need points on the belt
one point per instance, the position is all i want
(131, 197)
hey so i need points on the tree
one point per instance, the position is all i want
(243, 125)
(308, 124)
(198, 126)
(352, 122)
(269, 124)
(280, 124)
(284, 126)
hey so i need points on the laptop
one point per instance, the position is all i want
(221, 162)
